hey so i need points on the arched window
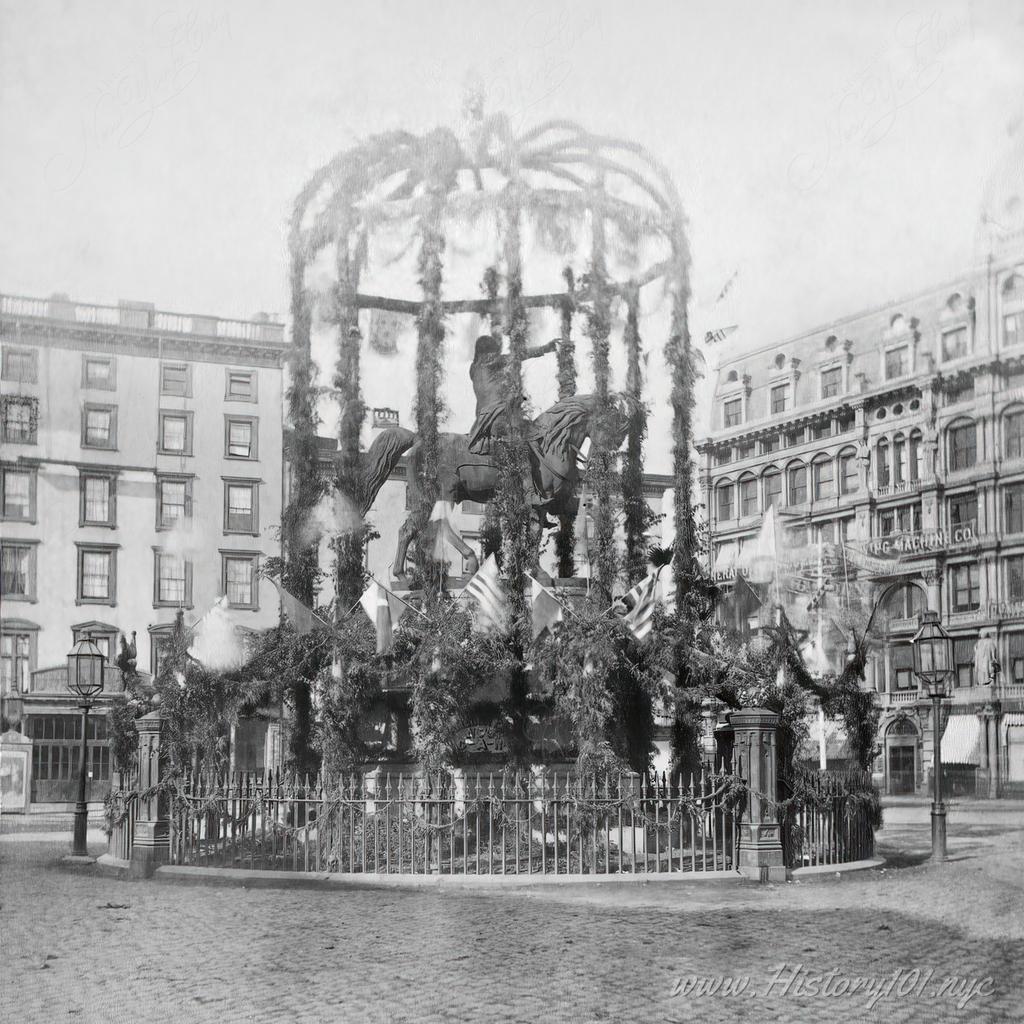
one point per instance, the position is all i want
(1013, 434)
(824, 478)
(882, 476)
(772, 488)
(797, 484)
(732, 376)
(963, 445)
(899, 458)
(748, 496)
(849, 478)
(915, 455)
(725, 501)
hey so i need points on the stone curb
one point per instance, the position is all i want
(827, 872)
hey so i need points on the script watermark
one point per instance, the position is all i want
(121, 107)
(869, 103)
(795, 981)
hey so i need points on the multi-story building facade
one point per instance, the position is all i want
(896, 437)
(140, 474)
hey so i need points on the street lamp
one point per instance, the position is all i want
(933, 664)
(85, 680)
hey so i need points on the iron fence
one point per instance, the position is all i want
(123, 807)
(458, 823)
(829, 819)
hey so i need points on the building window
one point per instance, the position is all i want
(175, 379)
(1013, 329)
(963, 449)
(20, 419)
(955, 344)
(770, 445)
(99, 426)
(20, 364)
(899, 458)
(821, 431)
(18, 494)
(966, 587)
(797, 485)
(794, 437)
(896, 362)
(963, 510)
(824, 479)
(240, 386)
(238, 579)
(903, 667)
(17, 571)
(97, 574)
(102, 634)
(15, 662)
(849, 478)
(723, 456)
(831, 381)
(99, 373)
(732, 413)
(1015, 643)
(882, 477)
(887, 523)
(240, 433)
(1013, 498)
(963, 660)
(1014, 566)
(172, 581)
(175, 433)
(778, 400)
(745, 450)
(772, 489)
(908, 518)
(173, 501)
(915, 455)
(241, 506)
(97, 501)
(725, 501)
(1013, 435)
(748, 496)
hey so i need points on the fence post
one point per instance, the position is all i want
(151, 847)
(756, 749)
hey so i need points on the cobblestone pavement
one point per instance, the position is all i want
(77, 946)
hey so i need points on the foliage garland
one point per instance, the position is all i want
(565, 539)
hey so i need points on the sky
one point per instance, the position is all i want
(832, 156)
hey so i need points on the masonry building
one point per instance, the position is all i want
(140, 475)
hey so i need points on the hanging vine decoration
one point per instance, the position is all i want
(638, 517)
(490, 531)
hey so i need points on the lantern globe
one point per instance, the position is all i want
(932, 649)
(85, 669)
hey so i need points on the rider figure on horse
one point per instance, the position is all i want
(493, 403)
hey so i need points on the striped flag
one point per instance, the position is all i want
(640, 602)
(719, 334)
(486, 592)
(384, 610)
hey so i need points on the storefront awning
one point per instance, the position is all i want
(726, 557)
(960, 740)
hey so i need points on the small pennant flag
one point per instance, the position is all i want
(304, 620)
(384, 610)
(547, 610)
(719, 334)
(486, 592)
(727, 287)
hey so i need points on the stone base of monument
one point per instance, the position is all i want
(151, 847)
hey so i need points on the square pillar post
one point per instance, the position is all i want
(756, 758)
(151, 846)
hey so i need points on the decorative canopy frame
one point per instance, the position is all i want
(583, 197)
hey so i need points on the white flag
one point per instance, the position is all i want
(546, 608)
(384, 610)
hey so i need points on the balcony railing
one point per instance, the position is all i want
(142, 319)
(55, 680)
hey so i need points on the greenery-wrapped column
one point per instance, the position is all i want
(637, 513)
(490, 532)
(518, 549)
(565, 540)
(601, 457)
(350, 540)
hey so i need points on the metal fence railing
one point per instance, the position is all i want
(458, 823)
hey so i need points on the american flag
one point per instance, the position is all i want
(640, 602)
(486, 592)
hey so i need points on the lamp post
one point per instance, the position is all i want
(85, 680)
(933, 663)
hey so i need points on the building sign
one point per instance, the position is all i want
(919, 542)
(1005, 609)
(482, 739)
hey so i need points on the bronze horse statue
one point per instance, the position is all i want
(555, 440)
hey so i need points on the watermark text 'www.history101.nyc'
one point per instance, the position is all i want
(794, 981)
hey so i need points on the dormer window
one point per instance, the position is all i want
(732, 412)
(831, 382)
(779, 398)
(955, 344)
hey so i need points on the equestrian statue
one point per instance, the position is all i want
(557, 441)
